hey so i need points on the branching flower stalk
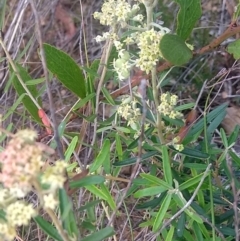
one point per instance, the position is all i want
(150, 4)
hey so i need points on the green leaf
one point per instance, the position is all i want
(96, 191)
(193, 153)
(102, 157)
(62, 127)
(86, 181)
(197, 231)
(210, 117)
(66, 70)
(197, 166)
(235, 158)
(162, 211)
(48, 228)
(27, 101)
(190, 11)
(100, 235)
(149, 191)
(191, 182)
(119, 148)
(155, 180)
(174, 49)
(132, 160)
(152, 203)
(234, 48)
(80, 103)
(181, 225)
(71, 148)
(89, 205)
(224, 138)
(13, 107)
(67, 215)
(109, 199)
(181, 202)
(108, 96)
(215, 123)
(35, 81)
(170, 234)
(233, 137)
(166, 166)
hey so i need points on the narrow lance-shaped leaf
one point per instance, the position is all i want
(27, 102)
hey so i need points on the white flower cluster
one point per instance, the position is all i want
(130, 112)
(167, 106)
(115, 12)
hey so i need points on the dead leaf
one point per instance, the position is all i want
(64, 17)
(231, 119)
(77, 177)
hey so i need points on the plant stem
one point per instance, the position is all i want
(50, 212)
(99, 87)
(149, 9)
(156, 101)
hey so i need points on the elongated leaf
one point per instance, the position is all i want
(193, 153)
(110, 199)
(190, 12)
(102, 157)
(197, 231)
(71, 148)
(155, 180)
(27, 102)
(48, 228)
(210, 117)
(67, 215)
(215, 123)
(191, 182)
(174, 49)
(224, 138)
(170, 234)
(96, 191)
(13, 107)
(149, 191)
(181, 202)
(108, 96)
(65, 69)
(89, 205)
(181, 225)
(100, 235)
(166, 166)
(162, 211)
(82, 102)
(152, 203)
(234, 135)
(197, 166)
(86, 181)
(132, 160)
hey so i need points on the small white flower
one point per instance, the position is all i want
(49, 201)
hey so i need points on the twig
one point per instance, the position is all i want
(45, 70)
(189, 201)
